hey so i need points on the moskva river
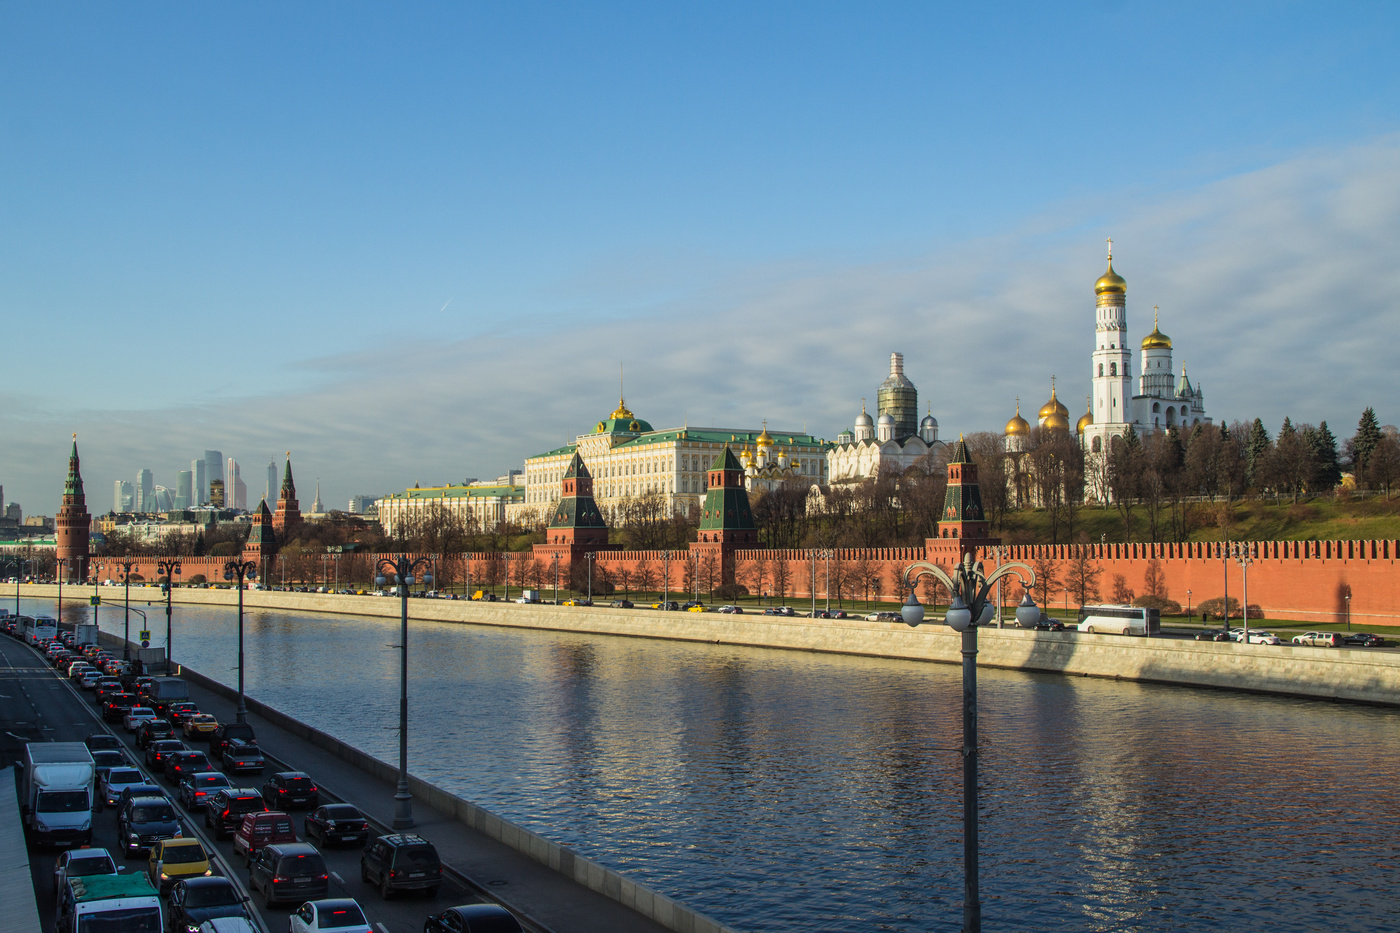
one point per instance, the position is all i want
(779, 790)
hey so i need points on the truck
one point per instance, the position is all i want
(166, 690)
(56, 793)
(109, 904)
(529, 596)
(85, 634)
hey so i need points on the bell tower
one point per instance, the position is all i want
(1112, 359)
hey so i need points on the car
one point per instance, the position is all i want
(886, 617)
(114, 708)
(240, 756)
(1213, 634)
(182, 764)
(88, 679)
(401, 862)
(1046, 625)
(105, 759)
(161, 749)
(473, 918)
(78, 863)
(154, 730)
(336, 822)
(1263, 638)
(177, 712)
(578, 602)
(116, 780)
(199, 726)
(196, 901)
(173, 860)
(620, 604)
(138, 790)
(288, 789)
(137, 716)
(341, 914)
(668, 606)
(226, 733)
(1319, 639)
(259, 830)
(225, 809)
(291, 871)
(1362, 640)
(195, 788)
(98, 741)
(144, 821)
(697, 607)
(105, 687)
(730, 610)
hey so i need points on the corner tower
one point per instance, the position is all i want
(288, 516)
(576, 520)
(73, 524)
(964, 524)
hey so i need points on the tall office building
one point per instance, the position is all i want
(270, 493)
(199, 488)
(184, 489)
(216, 493)
(234, 487)
(213, 466)
(145, 491)
(123, 496)
(161, 499)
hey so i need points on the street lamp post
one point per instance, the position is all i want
(402, 570)
(168, 569)
(126, 566)
(1243, 558)
(666, 573)
(589, 557)
(1347, 597)
(556, 579)
(1189, 614)
(969, 588)
(240, 570)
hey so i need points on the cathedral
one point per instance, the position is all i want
(1161, 401)
(890, 443)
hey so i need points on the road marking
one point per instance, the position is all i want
(382, 928)
(338, 879)
(13, 736)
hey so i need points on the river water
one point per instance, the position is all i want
(780, 790)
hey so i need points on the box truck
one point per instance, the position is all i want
(56, 791)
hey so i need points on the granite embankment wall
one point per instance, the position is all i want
(658, 907)
(1308, 581)
(1353, 674)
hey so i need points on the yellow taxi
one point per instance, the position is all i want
(698, 607)
(174, 860)
(200, 726)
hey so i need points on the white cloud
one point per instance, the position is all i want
(1277, 286)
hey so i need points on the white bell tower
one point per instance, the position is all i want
(1113, 394)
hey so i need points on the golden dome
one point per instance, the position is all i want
(1085, 420)
(763, 439)
(1110, 282)
(1017, 426)
(746, 457)
(1156, 340)
(622, 413)
(1059, 421)
(1053, 407)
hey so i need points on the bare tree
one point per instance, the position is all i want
(865, 577)
(645, 576)
(1083, 576)
(782, 579)
(757, 573)
(1154, 580)
(1047, 577)
(1122, 593)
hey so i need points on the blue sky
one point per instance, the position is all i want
(414, 245)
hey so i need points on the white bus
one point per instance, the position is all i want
(1120, 620)
(40, 629)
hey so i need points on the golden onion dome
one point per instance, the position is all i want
(1058, 422)
(1085, 420)
(1156, 340)
(746, 457)
(763, 439)
(1053, 407)
(1110, 282)
(1017, 426)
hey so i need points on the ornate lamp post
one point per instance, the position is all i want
(666, 574)
(240, 571)
(402, 570)
(556, 579)
(168, 569)
(126, 566)
(970, 607)
(1243, 558)
(590, 557)
(1347, 597)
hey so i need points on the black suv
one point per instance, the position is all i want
(153, 730)
(144, 820)
(241, 756)
(290, 871)
(288, 789)
(226, 733)
(225, 810)
(401, 862)
(196, 900)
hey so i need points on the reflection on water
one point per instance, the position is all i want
(781, 790)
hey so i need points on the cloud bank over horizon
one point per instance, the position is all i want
(1278, 287)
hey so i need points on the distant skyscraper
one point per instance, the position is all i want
(161, 499)
(234, 487)
(359, 505)
(213, 465)
(184, 485)
(123, 496)
(270, 494)
(216, 493)
(145, 491)
(199, 489)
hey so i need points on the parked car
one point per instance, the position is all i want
(144, 821)
(473, 918)
(1049, 625)
(1263, 638)
(240, 756)
(667, 606)
(78, 863)
(199, 726)
(620, 604)
(342, 915)
(196, 788)
(196, 901)
(884, 617)
(1213, 634)
(288, 789)
(259, 830)
(1362, 640)
(401, 862)
(173, 860)
(161, 749)
(224, 810)
(111, 784)
(290, 872)
(1319, 639)
(336, 822)
(730, 610)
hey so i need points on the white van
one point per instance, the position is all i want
(1120, 620)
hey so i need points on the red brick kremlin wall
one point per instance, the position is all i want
(1302, 580)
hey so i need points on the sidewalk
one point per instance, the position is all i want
(554, 902)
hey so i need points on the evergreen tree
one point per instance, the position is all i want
(1327, 473)
(1255, 452)
(1368, 435)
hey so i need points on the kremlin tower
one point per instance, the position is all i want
(287, 519)
(73, 524)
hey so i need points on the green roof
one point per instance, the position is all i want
(462, 492)
(700, 435)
